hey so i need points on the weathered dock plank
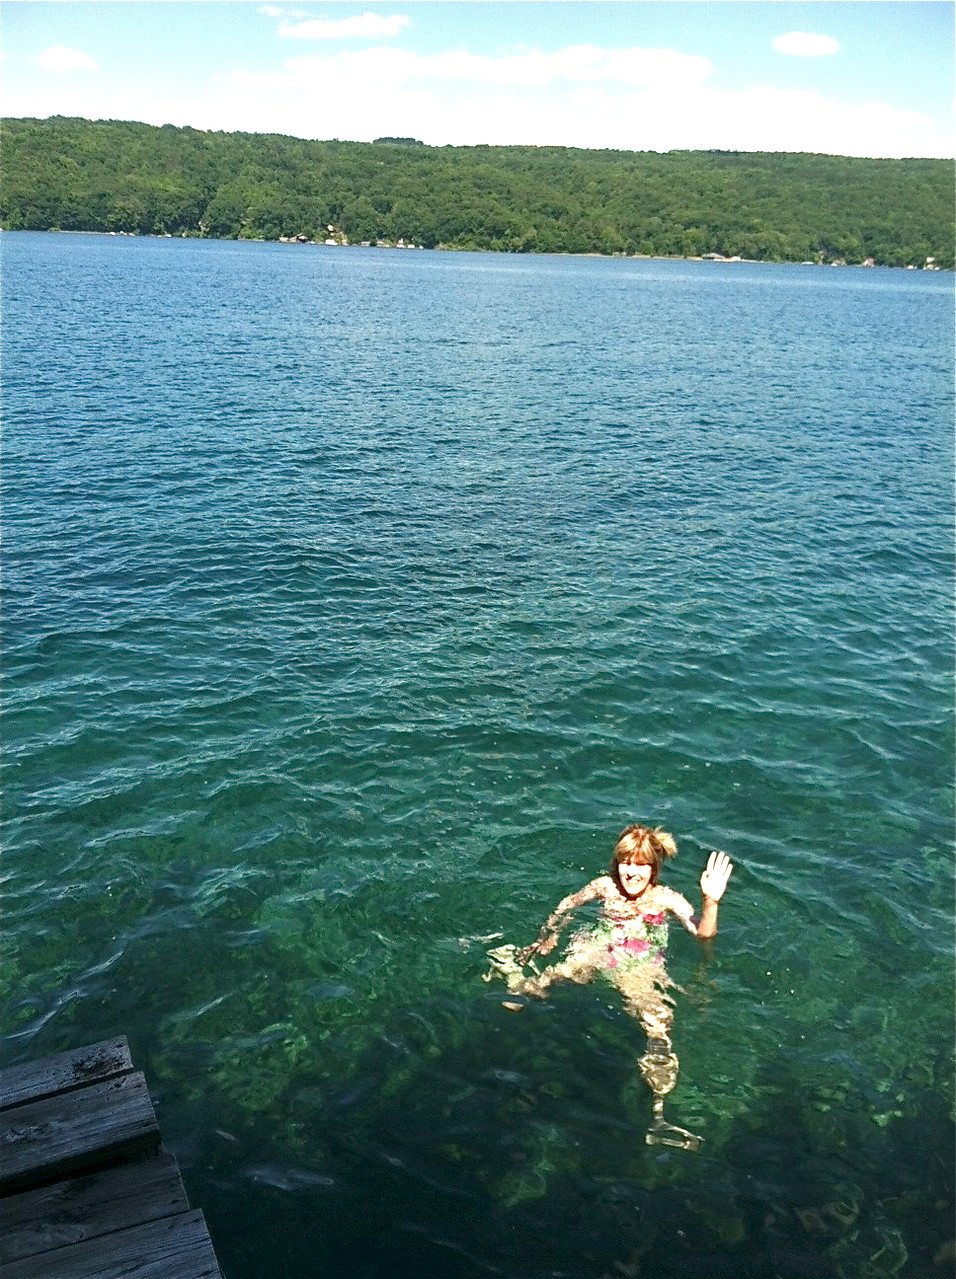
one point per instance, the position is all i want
(86, 1189)
(174, 1248)
(34, 1080)
(70, 1212)
(73, 1132)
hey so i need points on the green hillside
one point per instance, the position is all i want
(80, 175)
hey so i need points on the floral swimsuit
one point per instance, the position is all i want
(629, 943)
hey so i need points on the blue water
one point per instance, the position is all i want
(355, 600)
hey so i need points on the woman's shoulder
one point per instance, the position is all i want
(673, 901)
(604, 886)
(594, 888)
(604, 889)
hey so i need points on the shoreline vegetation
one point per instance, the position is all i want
(452, 248)
(126, 178)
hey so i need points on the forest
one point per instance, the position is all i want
(118, 176)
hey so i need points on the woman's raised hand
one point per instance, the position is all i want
(714, 879)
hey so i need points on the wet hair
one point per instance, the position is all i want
(642, 846)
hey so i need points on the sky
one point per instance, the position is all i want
(846, 77)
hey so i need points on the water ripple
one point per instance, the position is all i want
(333, 639)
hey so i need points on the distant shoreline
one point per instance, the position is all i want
(449, 248)
(118, 176)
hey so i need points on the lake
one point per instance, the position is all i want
(356, 600)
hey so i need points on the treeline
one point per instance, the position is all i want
(81, 175)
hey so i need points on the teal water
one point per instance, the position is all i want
(355, 600)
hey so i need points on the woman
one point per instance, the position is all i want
(627, 946)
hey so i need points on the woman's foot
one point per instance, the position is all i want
(661, 1133)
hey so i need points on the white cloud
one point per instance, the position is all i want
(580, 96)
(574, 64)
(59, 58)
(372, 70)
(804, 44)
(367, 26)
(280, 11)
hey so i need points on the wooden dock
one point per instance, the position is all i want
(86, 1189)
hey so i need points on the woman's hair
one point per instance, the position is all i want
(642, 846)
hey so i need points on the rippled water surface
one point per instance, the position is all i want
(355, 601)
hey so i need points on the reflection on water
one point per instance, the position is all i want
(347, 616)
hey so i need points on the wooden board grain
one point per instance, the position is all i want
(86, 1190)
(75, 1132)
(70, 1212)
(33, 1080)
(173, 1248)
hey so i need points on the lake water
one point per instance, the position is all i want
(356, 599)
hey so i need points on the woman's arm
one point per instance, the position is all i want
(548, 936)
(713, 881)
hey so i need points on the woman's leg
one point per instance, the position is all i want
(579, 966)
(646, 1000)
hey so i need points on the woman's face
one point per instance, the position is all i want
(635, 879)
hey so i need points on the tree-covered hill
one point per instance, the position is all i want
(81, 175)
